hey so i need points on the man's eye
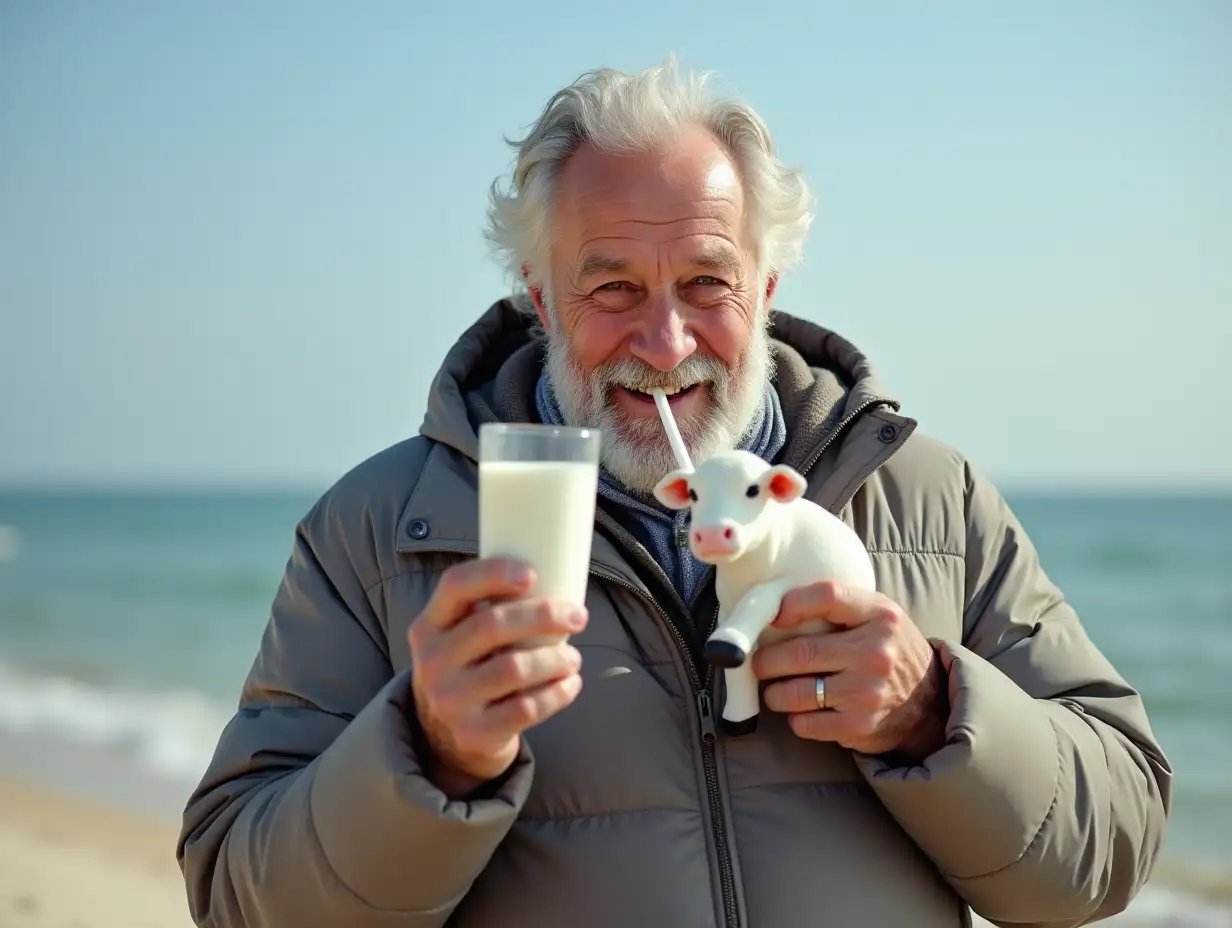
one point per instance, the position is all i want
(707, 281)
(613, 285)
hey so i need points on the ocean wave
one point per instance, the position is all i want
(170, 734)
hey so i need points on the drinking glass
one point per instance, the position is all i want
(537, 491)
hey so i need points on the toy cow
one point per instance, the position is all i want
(750, 521)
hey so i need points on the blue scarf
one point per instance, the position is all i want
(668, 529)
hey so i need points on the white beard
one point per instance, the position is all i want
(636, 451)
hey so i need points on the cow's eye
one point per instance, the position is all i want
(752, 491)
(692, 494)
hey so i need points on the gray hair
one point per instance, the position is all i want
(627, 113)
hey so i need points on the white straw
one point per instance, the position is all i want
(673, 433)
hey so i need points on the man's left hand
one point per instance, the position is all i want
(885, 689)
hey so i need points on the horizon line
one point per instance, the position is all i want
(300, 485)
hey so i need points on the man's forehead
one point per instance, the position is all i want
(693, 177)
(693, 163)
(663, 210)
(714, 255)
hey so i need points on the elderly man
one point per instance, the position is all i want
(410, 752)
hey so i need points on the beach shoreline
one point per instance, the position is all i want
(86, 817)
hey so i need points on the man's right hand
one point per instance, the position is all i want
(479, 675)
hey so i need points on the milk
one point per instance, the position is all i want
(542, 513)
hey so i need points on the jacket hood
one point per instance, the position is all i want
(490, 373)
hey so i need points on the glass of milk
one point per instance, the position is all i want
(537, 489)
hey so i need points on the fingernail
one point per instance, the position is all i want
(577, 617)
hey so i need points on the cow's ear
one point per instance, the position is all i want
(783, 483)
(673, 490)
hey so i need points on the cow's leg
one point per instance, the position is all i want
(743, 700)
(735, 638)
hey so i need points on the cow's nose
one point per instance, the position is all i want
(713, 535)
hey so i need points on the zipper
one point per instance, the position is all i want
(705, 712)
(710, 764)
(727, 879)
(709, 735)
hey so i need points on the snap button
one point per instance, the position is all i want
(417, 529)
(887, 433)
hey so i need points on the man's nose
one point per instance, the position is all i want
(663, 338)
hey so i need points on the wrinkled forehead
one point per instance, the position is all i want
(684, 196)
(678, 173)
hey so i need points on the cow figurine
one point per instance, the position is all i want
(751, 522)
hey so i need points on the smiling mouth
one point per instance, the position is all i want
(673, 394)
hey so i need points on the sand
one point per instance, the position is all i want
(68, 863)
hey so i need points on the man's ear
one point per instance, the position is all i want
(673, 490)
(783, 483)
(536, 297)
(772, 284)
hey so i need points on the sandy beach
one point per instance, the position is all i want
(70, 863)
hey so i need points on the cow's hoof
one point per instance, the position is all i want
(737, 729)
(720, 653)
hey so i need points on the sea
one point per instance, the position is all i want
(128, 621)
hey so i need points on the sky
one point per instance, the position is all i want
(237, 239)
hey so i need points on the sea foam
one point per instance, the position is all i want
(171, 735)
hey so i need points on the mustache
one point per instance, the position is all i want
(633, 374)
